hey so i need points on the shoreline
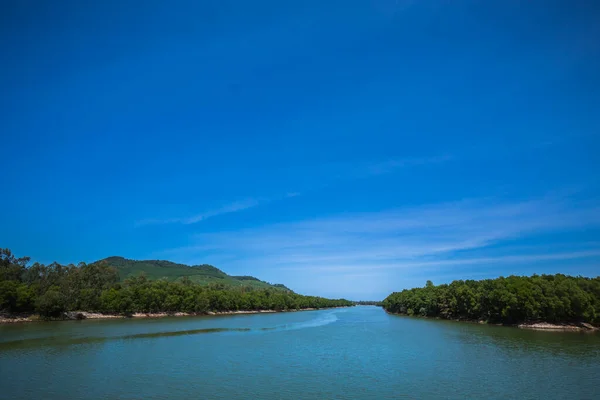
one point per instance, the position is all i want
(538, 326)
(559, 327)
(83, 315)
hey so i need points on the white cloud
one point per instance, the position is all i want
(459, 261)
(403, 238)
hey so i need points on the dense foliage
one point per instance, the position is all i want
(50, 290)
(367, 303)
(515, 299)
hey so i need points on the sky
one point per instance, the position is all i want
(342, 148)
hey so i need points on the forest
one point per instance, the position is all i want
(511, 300)
(367, 303)
(51, 290)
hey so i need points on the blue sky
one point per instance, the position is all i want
(341, 148)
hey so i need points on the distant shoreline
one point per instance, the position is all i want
(83, 315)
(538, 326)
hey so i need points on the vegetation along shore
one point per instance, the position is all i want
(97, 290)
(7, 318)
(546, 302)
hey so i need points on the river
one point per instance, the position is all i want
(349, 353)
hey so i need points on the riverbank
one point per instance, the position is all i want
(541, 326)
(81, 315)
(545, 326)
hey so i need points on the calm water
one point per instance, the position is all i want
(352, 353)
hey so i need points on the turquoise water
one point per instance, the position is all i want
(350, 353)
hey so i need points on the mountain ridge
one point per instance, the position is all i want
(172, 271)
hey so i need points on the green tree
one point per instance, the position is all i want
(52, 303)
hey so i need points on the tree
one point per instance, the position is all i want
(53, 289)
(11, 268)
(51, 304)
(553, 298)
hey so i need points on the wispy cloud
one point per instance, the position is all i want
(407, 264)
(341, 171)
(333, 172)
(434, 236)
(389, 166)
(229, 208)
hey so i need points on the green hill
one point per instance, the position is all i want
(170, 271)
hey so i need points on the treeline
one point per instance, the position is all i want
(51, 290)
(368, 303)
(511, 300)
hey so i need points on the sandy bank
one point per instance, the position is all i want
(545, 326)
(9, 319)
(257, 311)
(80, 315)
(542, 326)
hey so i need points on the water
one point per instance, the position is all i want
(351, 353)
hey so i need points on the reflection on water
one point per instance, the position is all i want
(517, 341)
(356, 353)
(319, 320)
(61, 341)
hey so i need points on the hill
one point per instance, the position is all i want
(53, 290)
(203, 274)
